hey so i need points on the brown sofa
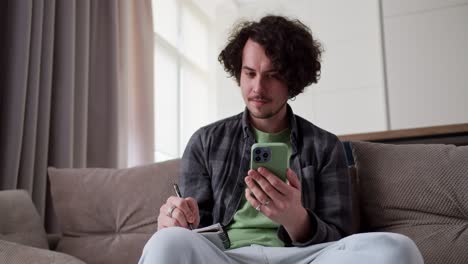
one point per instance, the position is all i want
(107, 215)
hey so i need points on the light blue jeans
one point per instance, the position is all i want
(178, 245)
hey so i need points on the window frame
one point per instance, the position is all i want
(181, 60)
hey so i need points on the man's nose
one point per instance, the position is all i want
(258, 85)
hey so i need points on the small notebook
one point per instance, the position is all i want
(216, 234)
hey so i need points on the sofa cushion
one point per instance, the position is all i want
(19, 221)
(356, 216)
(419, 191)
(14, 253)
(107, 215)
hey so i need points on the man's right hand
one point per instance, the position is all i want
(178, 212)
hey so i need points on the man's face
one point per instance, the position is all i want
(265, 95)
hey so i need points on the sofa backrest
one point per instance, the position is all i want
(107, 215)
(419, 191)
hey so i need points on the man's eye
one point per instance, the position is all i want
(272, 76)
(250, 74)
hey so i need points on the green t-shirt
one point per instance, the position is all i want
(248, 225)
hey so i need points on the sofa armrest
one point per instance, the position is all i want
(20, 222)
(16, 253)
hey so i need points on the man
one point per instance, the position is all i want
(268, 220)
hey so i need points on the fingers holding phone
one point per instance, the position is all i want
(273, 188)
(263, 189)
(267, 176)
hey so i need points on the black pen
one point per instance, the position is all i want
(177, 191)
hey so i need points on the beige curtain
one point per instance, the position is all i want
(76, 89)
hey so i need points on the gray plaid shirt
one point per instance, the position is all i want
(217, 159)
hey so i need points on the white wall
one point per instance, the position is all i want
(423, 59)
(426, 43)
(349, 98)
(228, 98)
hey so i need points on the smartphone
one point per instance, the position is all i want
(272, 156)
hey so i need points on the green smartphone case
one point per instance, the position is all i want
(272, 156)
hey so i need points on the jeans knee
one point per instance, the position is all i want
(399, 246)
(391, 247)
(407, 248)
(171, 237)
(165, 242)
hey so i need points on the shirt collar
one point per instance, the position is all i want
(246, 127)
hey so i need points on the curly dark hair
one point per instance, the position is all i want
(289, 45)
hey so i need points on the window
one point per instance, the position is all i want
(181, 79)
